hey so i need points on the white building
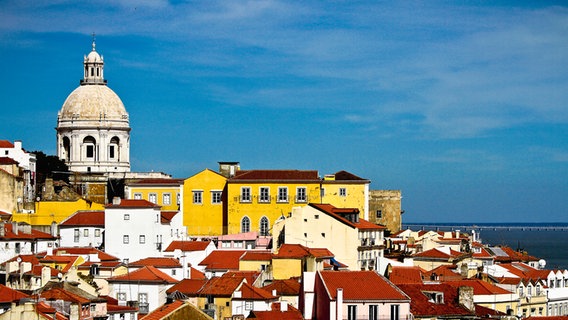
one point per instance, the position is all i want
(20, 238)
(83, 229)
(136, 229)
(93, 131)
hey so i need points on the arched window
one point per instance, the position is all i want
(264, 226)
(113, 151)
(89, 144)
(66, 149)
(245, 224)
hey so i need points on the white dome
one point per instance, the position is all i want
(93, 102)
(94, 57)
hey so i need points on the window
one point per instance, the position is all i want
(342, 192)
(97, 233)
(126, 216)
(282, 194)
(137, 196)
(166, 199)
(142, 239)
(152, 197)
(143, 302)
(373, 312)
(264, 194)
(121, 296)
(111, 152)
(379, 214)
(245, 194)
(216, 197)
(125, 239)
(521, 292)
(301, 194)
(197, 197)
(90, 151)
(85, 232)
(245, 224)
(394, 312)
(322, 192)
(76, 234)
(248, 305)
(352, 312)
(264, 226)
(178, 198)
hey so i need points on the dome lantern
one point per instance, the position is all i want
(93, 67)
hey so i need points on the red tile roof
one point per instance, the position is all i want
(62, 294)
(158, 262)
(113, 307)
(147, 274)
(7, 160)
(480, 287)
(196, 274)
(250, 276)
(133, 203)
(257, 256)
(6, 144)
(8, 295)
(167, 216)
(187, 245)
(85, 218)
(248, 292)
(189, 287)
(287, 287)
(347, 176)
(163, 311)
(334, 212)
(438, 254)
(422, 306)
(444, 273)
(360, 285)
(276, 313)
(222, 260)
(221, 287)
(406, 275)
(275, 175)
(298, 251)
(103, 256)
(33, 235)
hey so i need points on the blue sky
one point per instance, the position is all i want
(459, 104)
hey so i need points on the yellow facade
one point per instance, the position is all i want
(166, 193)
(285, 189)
(202, 207)
(47, 212)
(223, 306)
(286, 268)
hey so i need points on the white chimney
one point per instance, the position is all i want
(116, 201)
(283, 306)
(339, 304)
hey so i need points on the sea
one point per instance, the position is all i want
(548, 241)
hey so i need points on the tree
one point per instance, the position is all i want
(50, 167)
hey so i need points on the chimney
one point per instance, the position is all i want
(18, 144)
(15, 227)
(339, 304)
(457, 233)
(2, 230)
(116, 201)
(466, 297)
(283, 306)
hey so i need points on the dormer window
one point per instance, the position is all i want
(434, 297)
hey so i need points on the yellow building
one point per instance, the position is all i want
(47, 212)
(257, 198)
(291, 260)
(163, 192)
(204, 196)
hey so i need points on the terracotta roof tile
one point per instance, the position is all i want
(158, 262)
(248, 292)
(85, 218)
(223, 286)
(287, 287)
(187, 245)
(156, 181)
(250, 276)
(167, 216)
(33, 235)
(7, 161)
(6, 144)
(163, 311)
(406, 275)
(422, 306)
(276, 175)
(189, 287)
(336, 213)
(347, 176)
(360, 285)
(147, 274)
(103, 256)
(298, 251)
(132, 203)
(257, 256)
(222, 260)
(8, 295)
(480, 287)
(65, 295)
(276, 313)
(196, 274)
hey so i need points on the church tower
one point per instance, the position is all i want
(93, 131)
